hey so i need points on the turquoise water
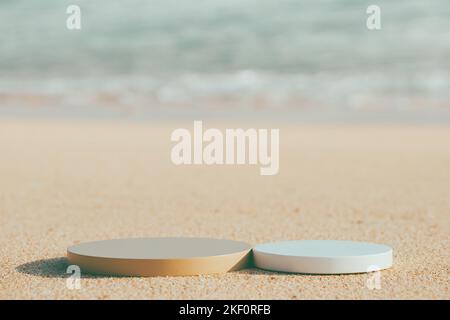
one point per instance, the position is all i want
(254, 56)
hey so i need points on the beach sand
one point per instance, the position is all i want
(69, 182)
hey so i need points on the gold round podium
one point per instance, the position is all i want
(146, 257)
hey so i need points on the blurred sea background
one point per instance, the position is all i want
(298, 60)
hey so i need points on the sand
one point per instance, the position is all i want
(67, 182)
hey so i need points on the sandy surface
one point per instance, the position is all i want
(63, 183)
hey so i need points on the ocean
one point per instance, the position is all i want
(301, 60)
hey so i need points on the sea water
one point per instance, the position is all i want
(298, 59)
